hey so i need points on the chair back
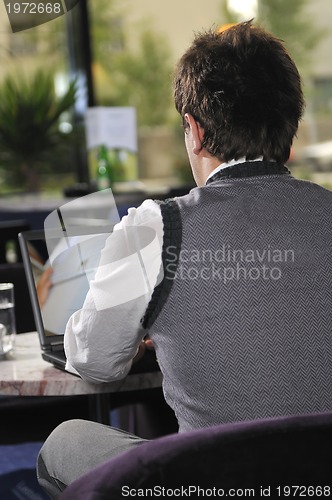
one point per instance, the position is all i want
(9, 246)
(259, 455)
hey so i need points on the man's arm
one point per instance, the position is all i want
(103, 338)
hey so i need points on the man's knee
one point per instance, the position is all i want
(66, 429)
(59, 439)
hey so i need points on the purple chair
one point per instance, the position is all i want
(272, 456)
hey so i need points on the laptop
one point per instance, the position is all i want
(74, 263)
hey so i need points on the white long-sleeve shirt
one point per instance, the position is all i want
(102, 338)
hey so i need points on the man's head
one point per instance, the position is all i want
(244, 92)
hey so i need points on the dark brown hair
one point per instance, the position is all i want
(244, 89)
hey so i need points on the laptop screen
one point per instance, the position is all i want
(74, 261)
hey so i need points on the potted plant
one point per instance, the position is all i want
(29, 118)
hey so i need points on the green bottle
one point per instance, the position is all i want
(104, 171)
(118, 173)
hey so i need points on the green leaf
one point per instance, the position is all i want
(29, 114)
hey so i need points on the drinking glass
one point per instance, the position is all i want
(7, 319)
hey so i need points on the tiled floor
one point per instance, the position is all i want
(18, 456)
(21, 485)
(18, 478)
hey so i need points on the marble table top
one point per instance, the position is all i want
(25, 373)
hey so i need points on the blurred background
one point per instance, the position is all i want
(122, 53)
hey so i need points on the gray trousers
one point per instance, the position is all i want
(76, 446)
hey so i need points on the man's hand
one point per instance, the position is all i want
(145, 344)
(148, 343)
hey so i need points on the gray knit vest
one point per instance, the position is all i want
(242, 320)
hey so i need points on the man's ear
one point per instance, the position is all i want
(197, 133)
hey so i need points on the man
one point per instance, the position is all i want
(241, 315)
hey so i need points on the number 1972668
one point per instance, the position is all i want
(34, 8)
(303, 491)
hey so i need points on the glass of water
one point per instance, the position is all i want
(7, 319)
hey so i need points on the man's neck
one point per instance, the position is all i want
(230, 164)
